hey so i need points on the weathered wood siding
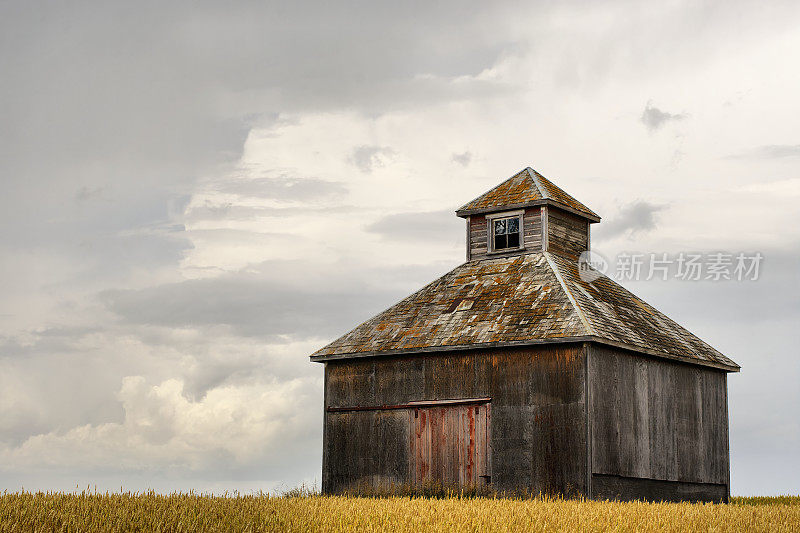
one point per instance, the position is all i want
(478, 234)
(652, 419)
(450, 445)
(531, 238)
(568, 234)
(538, 415)
(532, 224)
(606, 487)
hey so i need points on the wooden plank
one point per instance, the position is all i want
(486, 447)
(656, 419)
(392, 457)
(505, 441)
(449, 444)
(469, 247)
(566, 234)
(326, 481)
(609, 487)
(641, 421)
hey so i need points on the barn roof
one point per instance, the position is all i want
(525, 188)
(519, 300)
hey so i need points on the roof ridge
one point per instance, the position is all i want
(570, 296)
(535, 177)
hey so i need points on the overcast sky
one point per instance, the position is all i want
(196, 196)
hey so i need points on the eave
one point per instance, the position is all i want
(463, 213)
(536, 342)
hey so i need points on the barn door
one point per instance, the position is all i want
(450, 445)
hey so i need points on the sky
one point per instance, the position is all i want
(196, 196)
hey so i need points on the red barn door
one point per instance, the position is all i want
(450, 445)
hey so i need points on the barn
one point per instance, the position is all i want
(513, 373)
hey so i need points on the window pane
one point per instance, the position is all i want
(506, 233)
(512, 225)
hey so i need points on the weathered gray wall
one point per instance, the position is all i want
(532, 225)
(652, 419)
(538, 427)
(478, 235)
(605, 487)
(568, 234)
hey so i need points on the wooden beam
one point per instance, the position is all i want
(411, 405)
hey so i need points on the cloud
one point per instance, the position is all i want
(423, 227)
(283, 188)
(462, 159)
(88, 193)
(366, 158)
(125, 110)
(230, 427)
(780, 188)
(114, 114)
(632, 218)
(228, 211)
(654, 118)
(771, 151)
(282, 302)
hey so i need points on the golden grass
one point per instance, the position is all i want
(193, 512)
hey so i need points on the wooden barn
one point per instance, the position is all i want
(513, 373)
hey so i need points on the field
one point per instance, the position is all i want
(192, 512)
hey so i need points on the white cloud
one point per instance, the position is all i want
(162, 428)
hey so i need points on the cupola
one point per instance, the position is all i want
(524, 214)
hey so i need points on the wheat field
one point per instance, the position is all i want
(88, 511)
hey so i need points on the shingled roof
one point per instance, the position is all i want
(520, 300)
(526, 188)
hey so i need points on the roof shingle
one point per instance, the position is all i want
(525, 299)
(524, 188)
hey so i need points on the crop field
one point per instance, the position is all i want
(193, 512)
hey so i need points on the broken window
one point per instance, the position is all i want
(505, 233)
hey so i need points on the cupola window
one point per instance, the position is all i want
(505, 233)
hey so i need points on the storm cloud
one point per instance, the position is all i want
(420, 227)
(277, 309)
(631, 219)
(197, 196)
